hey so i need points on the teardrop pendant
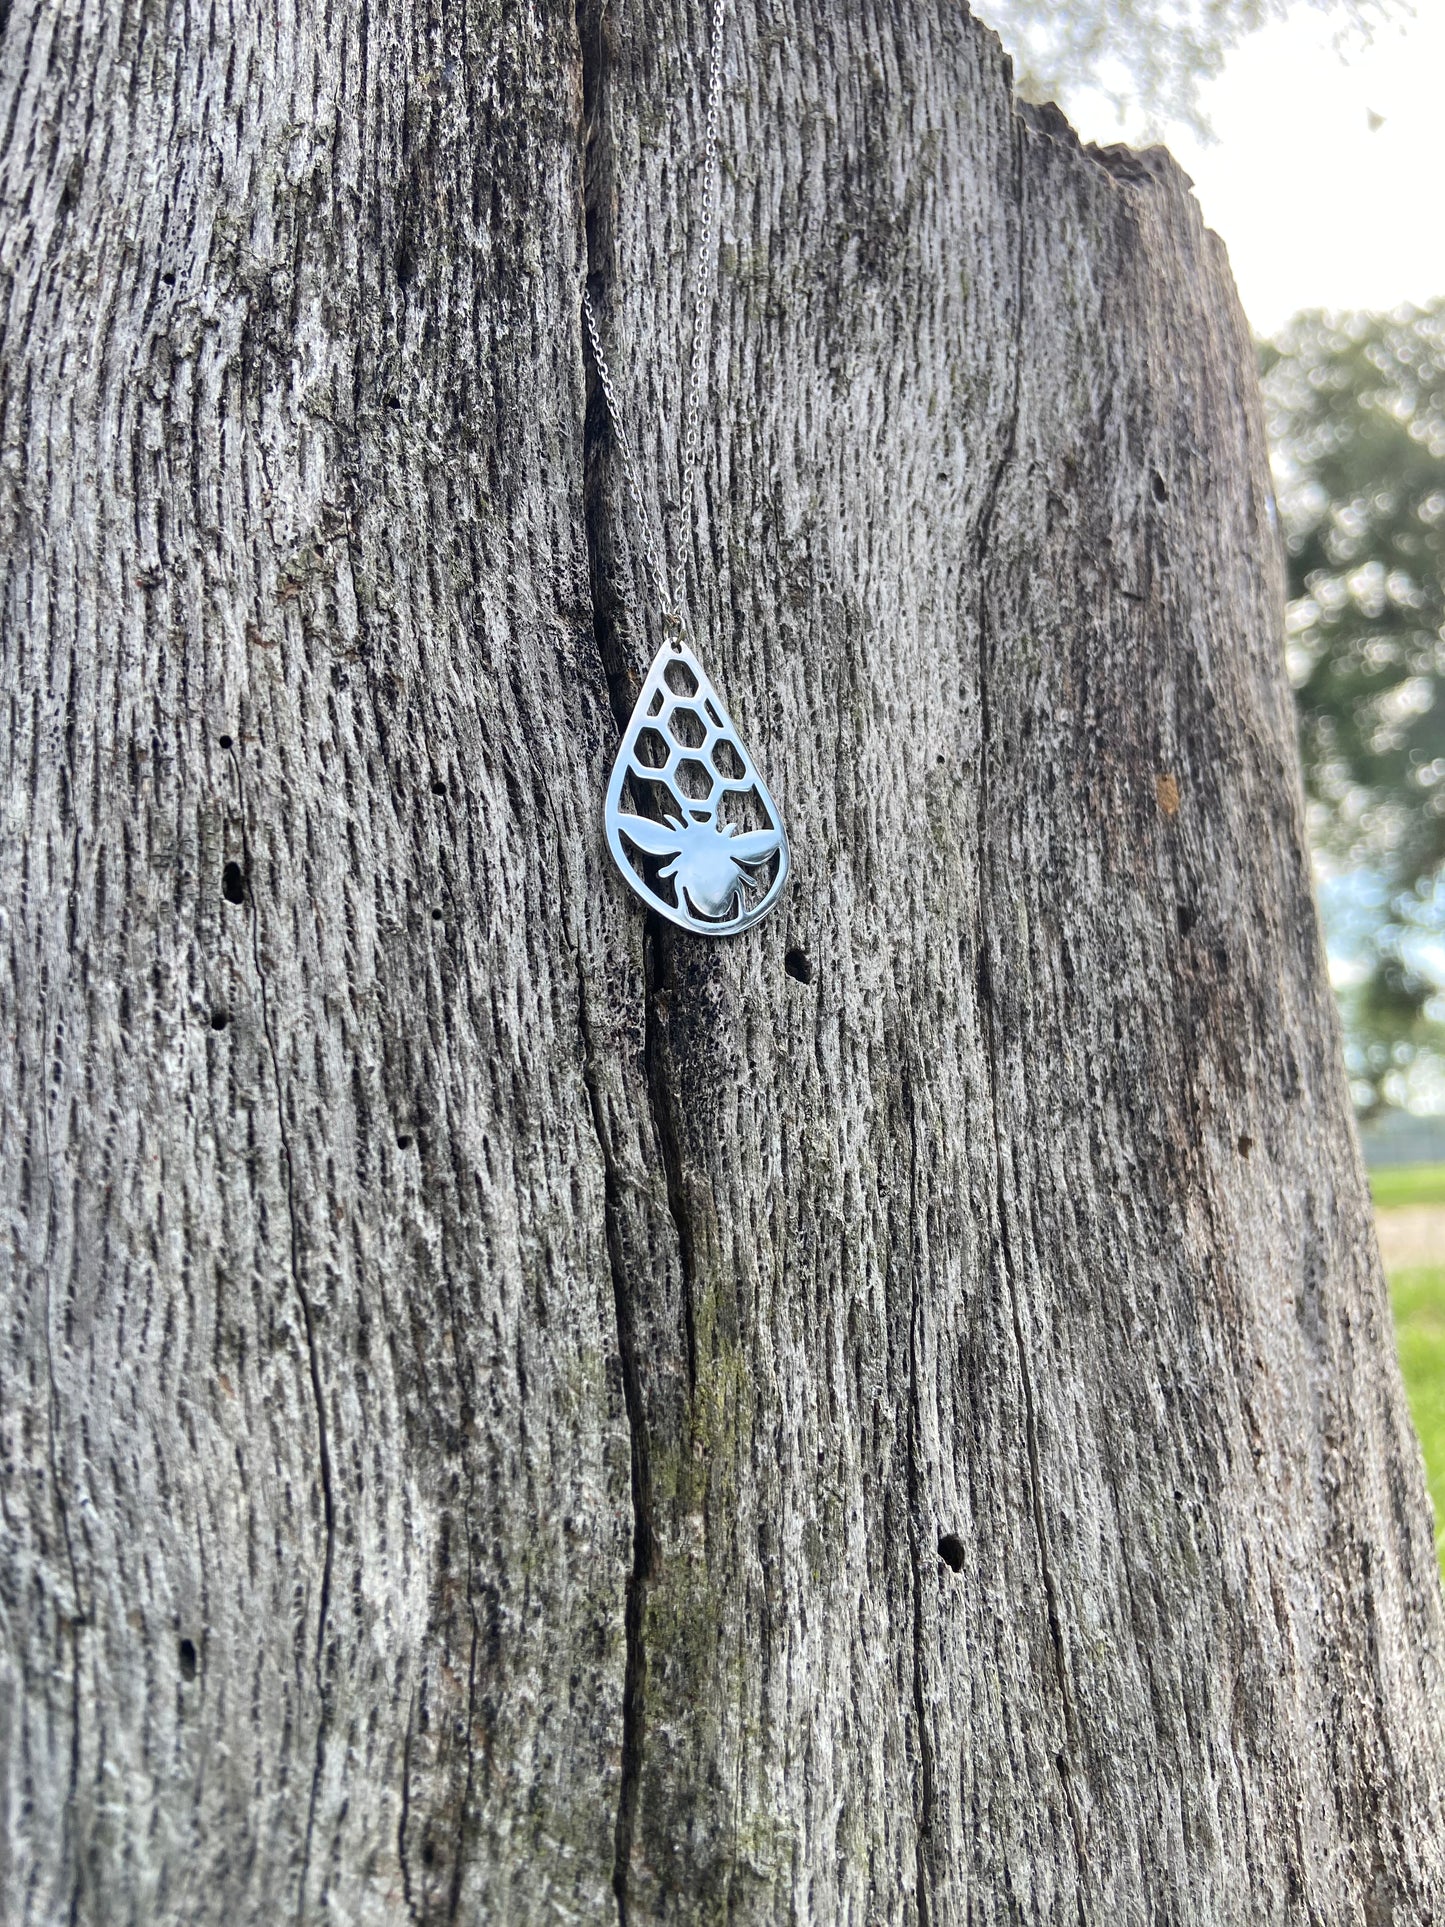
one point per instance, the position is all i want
(690, 822)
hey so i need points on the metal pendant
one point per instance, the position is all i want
(690, 822)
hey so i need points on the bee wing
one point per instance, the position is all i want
(655, 838)
(754, 846)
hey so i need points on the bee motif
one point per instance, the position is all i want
(682, 771)
(710, 862)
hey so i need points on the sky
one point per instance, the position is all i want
(1325, 180)
(1318, 205)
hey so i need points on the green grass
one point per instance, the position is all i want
(1418, 1295)
(1397, 1184)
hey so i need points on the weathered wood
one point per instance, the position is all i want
(513, 1414)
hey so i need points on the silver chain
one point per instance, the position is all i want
(671, 594)
(629, 466)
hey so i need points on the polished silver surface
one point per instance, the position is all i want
(690, 822)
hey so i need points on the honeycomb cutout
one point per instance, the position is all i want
(691, 824)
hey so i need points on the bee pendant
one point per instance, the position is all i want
(690, 822)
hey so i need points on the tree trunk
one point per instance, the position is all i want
(512, 1413)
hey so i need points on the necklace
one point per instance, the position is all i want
(690, 822)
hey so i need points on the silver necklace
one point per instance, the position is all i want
(690, 822)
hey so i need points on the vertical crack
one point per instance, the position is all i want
(659, 963)
(466, 1394)
(308, 1323)
(594, 432)
(1052, 1605)
(629, 1353)
(77, 1616)
(635, 1665)
(927, 1771)
(634, 1681)
(405, 1822)
(454, 1897)
(659, 958)
(987, 513)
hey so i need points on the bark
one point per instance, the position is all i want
(513, 1413)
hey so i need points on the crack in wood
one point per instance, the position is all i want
(454, 1897)
(987, 513)
(657, 956)
(58, 1486)
(405, 1820)
(635, 1662)
(467, 1398)
(308, 1322)
(927, 1790)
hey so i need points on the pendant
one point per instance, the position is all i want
(690, 822)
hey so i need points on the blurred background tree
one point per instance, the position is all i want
(1149, 58)
(1357, 419)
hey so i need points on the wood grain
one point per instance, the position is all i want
(512, 1413)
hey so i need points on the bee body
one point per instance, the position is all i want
(681, 772)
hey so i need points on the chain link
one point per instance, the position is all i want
(671, 591)
(706, 276)
(629, 465)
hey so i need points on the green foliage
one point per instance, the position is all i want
(1357, 418)
(1149, 58)
(1418, 1298)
